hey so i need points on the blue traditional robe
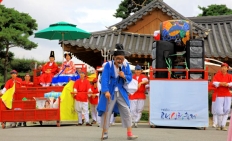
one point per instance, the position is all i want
(109, 82)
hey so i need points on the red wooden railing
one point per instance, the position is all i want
(186, 71)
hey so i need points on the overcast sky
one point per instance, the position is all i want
(90, 15)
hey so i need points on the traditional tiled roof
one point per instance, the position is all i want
(134, 43)
(197, 29)
(219, 41)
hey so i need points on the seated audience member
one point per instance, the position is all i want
(49, 70)
(39, 70)
(67, 72)
(27, 82)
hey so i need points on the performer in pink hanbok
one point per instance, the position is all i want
(67, 72)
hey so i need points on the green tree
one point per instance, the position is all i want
(23, 65)
(126, 7)
(215, 10)
(2, 59)
(15, 29)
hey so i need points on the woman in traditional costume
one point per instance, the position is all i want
(67, 72)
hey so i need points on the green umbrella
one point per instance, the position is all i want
(62, 31)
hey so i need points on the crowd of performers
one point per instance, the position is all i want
(110, 97)
(49, 74)
(102, 99)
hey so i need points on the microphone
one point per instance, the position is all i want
(120, 67)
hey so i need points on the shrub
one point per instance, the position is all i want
(22, 65)
(145, 116)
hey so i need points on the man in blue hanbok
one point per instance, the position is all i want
(114, 97)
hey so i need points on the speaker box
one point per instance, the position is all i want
(153, 52)
(195, 57)
(163, 48)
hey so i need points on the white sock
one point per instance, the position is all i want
(42, 84)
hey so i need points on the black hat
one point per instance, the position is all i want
(52, 54)
(68, 53)
(119, 50)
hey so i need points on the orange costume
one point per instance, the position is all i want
(94, 101)
(47, 77)
(10, 83)
(48, 71)
(221, 90)
(223, 97)
(137, 100)
(27, 84)
(140, 93)
(82, 87)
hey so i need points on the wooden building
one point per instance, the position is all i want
(136, 34)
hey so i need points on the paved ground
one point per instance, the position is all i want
(70, 132)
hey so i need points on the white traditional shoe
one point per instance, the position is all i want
(133, 137)
(13, 125)
(224, 129)
(218, 128)
(47, 85)
(133, 124)
(105, 136)
(136, 125)
(112, 123)
(214, 126)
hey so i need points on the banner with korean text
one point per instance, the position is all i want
(179, 103)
